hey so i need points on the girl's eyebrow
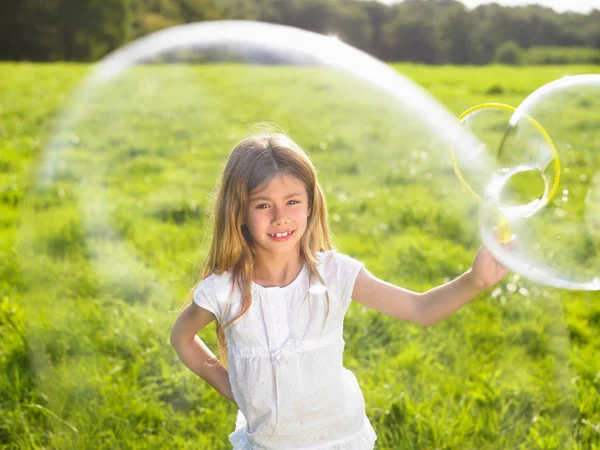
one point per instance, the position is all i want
(295, 194)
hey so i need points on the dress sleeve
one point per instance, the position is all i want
(348, 269)
(206, 297)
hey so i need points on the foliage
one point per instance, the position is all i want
(428, 31)
(509, 52)
(68, 30)
(561, 55)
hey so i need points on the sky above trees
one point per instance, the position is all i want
(584, 6)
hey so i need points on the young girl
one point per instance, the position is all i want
(279, 292)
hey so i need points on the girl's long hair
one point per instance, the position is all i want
(253, 162)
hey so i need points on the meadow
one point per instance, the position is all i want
(104, 220)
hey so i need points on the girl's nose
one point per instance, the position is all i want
(279, 218)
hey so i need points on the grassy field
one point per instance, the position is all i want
(102, 234)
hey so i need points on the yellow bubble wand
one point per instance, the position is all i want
(504, 224)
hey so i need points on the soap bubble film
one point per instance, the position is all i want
(557, 229)
(489, 122)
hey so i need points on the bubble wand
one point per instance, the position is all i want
(504, 231)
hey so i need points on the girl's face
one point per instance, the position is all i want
(277, 214)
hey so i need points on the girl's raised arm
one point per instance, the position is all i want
(385, 297)
(435, 304)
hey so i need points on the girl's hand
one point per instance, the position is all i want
(486, 271)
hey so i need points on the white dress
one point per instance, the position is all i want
(285, 368)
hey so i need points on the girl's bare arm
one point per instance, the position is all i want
(435, 304)
(194, 353)
(426, 309)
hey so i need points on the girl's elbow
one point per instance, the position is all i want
(428, 322)
(180, 337)
(420, 314)
(175, 338)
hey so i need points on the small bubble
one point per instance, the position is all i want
(523, 291)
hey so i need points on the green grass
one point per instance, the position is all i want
(95, 263)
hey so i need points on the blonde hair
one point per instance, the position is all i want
(253, 162)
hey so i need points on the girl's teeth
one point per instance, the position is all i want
(281, 234)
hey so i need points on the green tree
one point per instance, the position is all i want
(351, 24)
(66, 29)
(591, 30)
(87, 30)
(457, 41)
(509, 52)
(411, 39)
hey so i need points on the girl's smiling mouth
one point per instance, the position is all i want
(280, 237)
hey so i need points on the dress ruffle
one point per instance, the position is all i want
(364, 440)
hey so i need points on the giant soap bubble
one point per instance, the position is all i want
(119, 224)
(557, 227)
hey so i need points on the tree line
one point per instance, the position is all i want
(426, 31)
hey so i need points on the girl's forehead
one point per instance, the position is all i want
(279, 185)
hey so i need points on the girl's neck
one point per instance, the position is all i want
(276, 270)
